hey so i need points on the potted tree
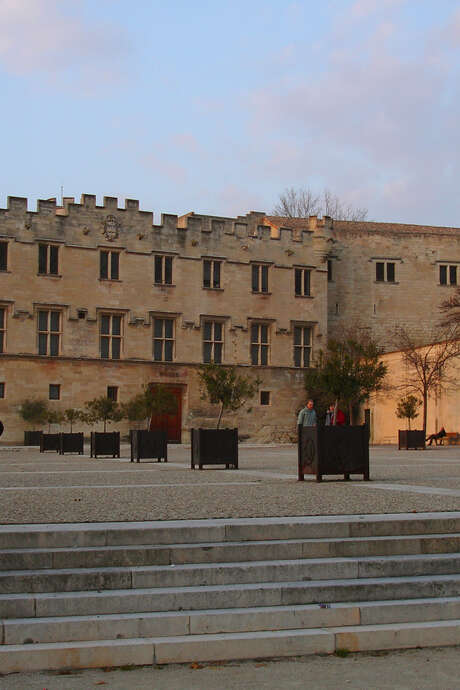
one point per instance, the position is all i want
(407, 409)
(149, 443)
(222, 386)
(105, 410)
(72, 415)
(349, 371)
(33, 412)
(50, 441)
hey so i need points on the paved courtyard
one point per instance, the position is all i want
(46, 487)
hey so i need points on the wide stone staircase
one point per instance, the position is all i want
(115, 594)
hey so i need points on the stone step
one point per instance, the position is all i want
(231, 596)
(224, 530)
(195, 575)
(211, 621)
(226, 646)
(221, 552)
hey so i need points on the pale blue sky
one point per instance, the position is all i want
(217, 106)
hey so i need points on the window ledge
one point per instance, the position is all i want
(448, 285)
(214, 289)
(167, 285)
(257, 292)
(304, 296)
(110, 280)
(49, 275)
(386, 282)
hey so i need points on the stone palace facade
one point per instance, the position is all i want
(97, 300)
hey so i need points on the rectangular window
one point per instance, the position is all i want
(211, 273)
(3, 256)
(112, 393)
(2, 329)
(329, 271)
(110, 336)
(443, 275)
(163, 269)
(259, 278)
(385, 271)
(49, 332)
(213, 342)
(265, 397)
(259, 343)
(54, 391)
(2, 389)
(302, 346)
(302, 282)
(163, 340)
(390, 272)
(448, 275)
(48, 259)
(109, 265)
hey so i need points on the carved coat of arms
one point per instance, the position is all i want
(111, 228)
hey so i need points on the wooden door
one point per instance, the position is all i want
(171, 423)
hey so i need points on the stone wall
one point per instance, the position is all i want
(81, 232)
(443, 405)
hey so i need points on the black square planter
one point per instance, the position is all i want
(105, 443)
(49, 442)
(214, 447)
(333, 450)
(32, 438)
(411, 439)
(71, 443)
(148, 444)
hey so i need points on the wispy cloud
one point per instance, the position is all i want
(372, 112)
(54, 38)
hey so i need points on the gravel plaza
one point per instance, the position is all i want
(48, 488)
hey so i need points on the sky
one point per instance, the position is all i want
(218, 106)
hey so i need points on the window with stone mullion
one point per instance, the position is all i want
(2, 328)
(302, 346)
(110, 336)
(49, 331)
(259, 344)
(213, 342)
(163, 340)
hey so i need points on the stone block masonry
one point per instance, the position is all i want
(96, 296)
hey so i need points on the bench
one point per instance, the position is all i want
(452, 438)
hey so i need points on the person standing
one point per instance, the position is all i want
(307, 415)
(334, 418)
(330, 415)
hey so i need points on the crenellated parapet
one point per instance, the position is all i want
(91, 225)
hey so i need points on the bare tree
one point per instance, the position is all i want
(427, 364)
(451, 308)
(301, 203)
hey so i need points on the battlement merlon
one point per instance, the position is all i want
(255, 225)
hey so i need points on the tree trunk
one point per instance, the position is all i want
(220, 415)
(336, 407)
(425, 405)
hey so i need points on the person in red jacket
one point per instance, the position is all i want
(339, 416)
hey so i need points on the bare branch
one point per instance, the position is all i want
(451, 308)
(301, 203)
(427, 365)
